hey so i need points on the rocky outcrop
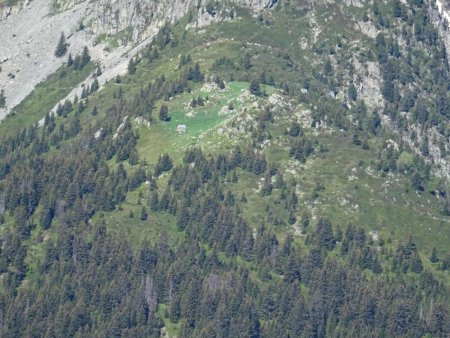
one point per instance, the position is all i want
(112, 16)
(6, 11)
(440, 16)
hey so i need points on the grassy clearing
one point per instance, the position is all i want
(115, 40)
(171, 329)
(200, 121)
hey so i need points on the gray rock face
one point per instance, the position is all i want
(6, 11)
(113, 16)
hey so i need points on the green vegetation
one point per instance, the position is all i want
(43, 98)
(8, 3)
(285, 206)
(115, 40)
(2, 99)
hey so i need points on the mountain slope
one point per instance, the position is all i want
(307, 194)
(110, 29)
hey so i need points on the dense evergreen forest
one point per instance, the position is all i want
(77, 190)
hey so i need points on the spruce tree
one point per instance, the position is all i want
(164, 113)
(144, 214)
(352, 93)
(131, 66)
(2, 99)
(246, 62)
(164, 164)
(154, 201)
(255, 88)
(70, 60)
(61, 48)
(183, 217)
(59, 110)
(434, 258)
(94, 86)
(85, 57)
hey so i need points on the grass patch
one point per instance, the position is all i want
(201, 121)
(115, 40)
(171, 329)
(43, 98)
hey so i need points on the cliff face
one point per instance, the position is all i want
(113, 16)
(6, 11)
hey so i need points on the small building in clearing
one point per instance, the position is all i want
(181, 128)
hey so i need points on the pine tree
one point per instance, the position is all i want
(164, 113)
(352, 93)
(131, 66)
(445, 263)
(397, 8)
(416, 263)
(59, 110)
(85, 57)
(164, 164)
(434, 258)
(424, 147)
(46, 217)
(61, 48)
(67, 108)
(154, 201)
(76, 62)
(328, 69)
(74, 128)
(69, 60)
(183, 217)
(255, 88)
(295, 129)
(195, 73)
(2, 99)
(324, 234)
(94, 86)
(246, 62)
(267, 186)
(143, 214)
